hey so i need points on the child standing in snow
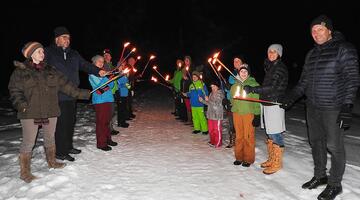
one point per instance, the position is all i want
(214, 114)
(197, 89)
(246, 116)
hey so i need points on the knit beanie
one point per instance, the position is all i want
(29, 48)
(277, 47)
(246, 67)
(196, 73)
(322, 20)
(60, 30)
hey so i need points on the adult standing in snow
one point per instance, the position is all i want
(214, 113)
(330, 80)
(102, 100)
(69, 62)
(246, 117)
(176, 82)
(273, 89)
(33, 89)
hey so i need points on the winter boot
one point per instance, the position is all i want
(276, 164)
(25, 169)
(50, 158)
(267, 163)
(231, 140)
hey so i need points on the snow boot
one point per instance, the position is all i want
(231, 140)
(276, 163)
(50, 158)
(267, 163)
(25, 167)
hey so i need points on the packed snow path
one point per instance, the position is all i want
(159, 159)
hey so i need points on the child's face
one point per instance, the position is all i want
(214, 88)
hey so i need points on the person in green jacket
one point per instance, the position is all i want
(246, 115)
(175, 81)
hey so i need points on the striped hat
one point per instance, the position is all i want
(29, 48)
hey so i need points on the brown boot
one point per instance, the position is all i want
(50, 158)
(276, 165)
(25, 170)
(267, 163)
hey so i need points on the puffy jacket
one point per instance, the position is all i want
(107, 96)
(215, 110)
(123, 84)
(275, 81)
(69, 62)
(36, 91)
(176, 80)
(330, 75)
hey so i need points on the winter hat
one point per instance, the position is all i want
(277, 47)
(106, 51)
(246, 67)
(196, 73)
(60, 30)
(322, 20)
(215, 83)
(29, 48)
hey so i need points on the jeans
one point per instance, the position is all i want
(277, 138)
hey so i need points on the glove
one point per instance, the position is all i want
(248, 89)
(102, 90)
(345, 116)
(128, 86)
(286, 103)
(256, 121)
(228, 86)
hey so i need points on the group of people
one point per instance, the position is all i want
(44, 89)
(329, 80)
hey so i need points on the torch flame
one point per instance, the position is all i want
(179, 64)
(126, 44)
(139, 57)
(219, 68)
(216, 55)
(201, 76)
(209, 60)
(152, 57)
(133, 50)
(237, 92)
(134, 69)
(126, 70)
(167, 78)
(187, 68)
(154, 67)
(244, 94)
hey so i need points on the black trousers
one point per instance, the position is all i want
(65, 127)
(326, 136)
(122, 108)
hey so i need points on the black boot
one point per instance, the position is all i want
(315, 182)
(237, 162)
(330, 192)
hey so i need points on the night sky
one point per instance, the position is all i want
(172, 29)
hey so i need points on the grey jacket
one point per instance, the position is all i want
(215, 109)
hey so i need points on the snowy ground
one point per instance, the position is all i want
(158, 158)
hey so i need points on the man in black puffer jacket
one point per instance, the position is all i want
(330, 80)
(69, 62)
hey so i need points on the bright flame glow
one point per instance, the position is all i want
(216, 55)
(167, 78)
(219, 68)
(126, 70)
(209, 60)
(154, 67)
(139, 57)
(152, 57)
(201, 76)
(214, 61)
(237, 92)
(187, 68)
(179, 64)
(126, 44)
(134, 70)
(244, 94)
(133, 50)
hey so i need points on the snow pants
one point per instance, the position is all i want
(215, 132)
(245, 138)
(103, 117)
(199, 119)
